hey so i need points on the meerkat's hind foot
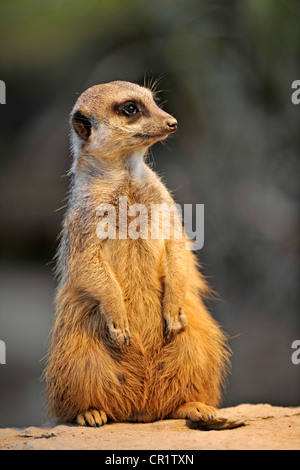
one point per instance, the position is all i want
(195, 411)
(92, 417)
(216, 424)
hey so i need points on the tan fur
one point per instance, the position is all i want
(147, 293)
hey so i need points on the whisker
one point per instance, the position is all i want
(157, 81)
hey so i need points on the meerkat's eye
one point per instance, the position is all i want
(129, 109)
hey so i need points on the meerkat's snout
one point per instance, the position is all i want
(173, 125)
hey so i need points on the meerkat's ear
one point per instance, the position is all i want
(82, 125)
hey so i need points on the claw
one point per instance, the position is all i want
(167, 326)
(127, 337)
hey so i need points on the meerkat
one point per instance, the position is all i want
(132, 338)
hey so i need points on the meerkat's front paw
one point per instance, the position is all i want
(175, 325)
(119, 335)
(195, 411)
(117, 330)
(92, 417)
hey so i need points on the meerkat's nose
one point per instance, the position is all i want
(173, 125)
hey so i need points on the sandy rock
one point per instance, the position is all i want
(260, 426)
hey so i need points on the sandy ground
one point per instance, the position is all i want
(264, 427)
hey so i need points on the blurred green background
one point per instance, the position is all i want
(227, 67)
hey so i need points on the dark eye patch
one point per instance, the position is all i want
(131, 109)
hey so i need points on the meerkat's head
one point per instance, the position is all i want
(117, 119)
